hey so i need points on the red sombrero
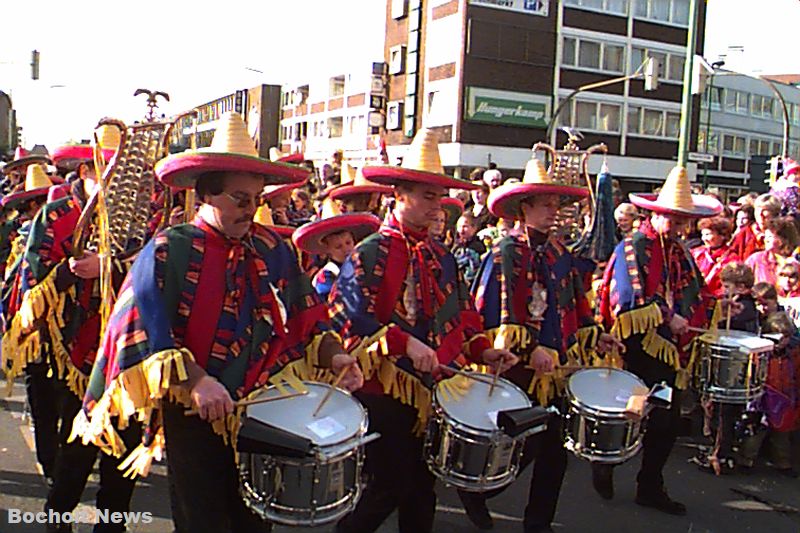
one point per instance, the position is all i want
(504, 201)
(70, 155)
(276, 155)
(37, 185)
(22, 157)
(676, 198)
(353, 183)
(454, 208)
(421, 164)
(271, 191)
(309, 237)
(231, 150)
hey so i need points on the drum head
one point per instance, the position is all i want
(604, 389)
(340, 419)
(477, 409)
(740, 340)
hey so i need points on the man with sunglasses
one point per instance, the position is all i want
(210, 312)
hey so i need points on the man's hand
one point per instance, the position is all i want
(541, 361)
(678, 325)
(353, 379)
(731, 303)
(422, 356)
(87, 267)
(502, 358)
(211, 399)
(607, 343)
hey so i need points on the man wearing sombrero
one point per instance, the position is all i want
(356, 194)
(651, 293)
(402, 306)
(531, 292)
(210, 312)
(334, 236)
(15, 171)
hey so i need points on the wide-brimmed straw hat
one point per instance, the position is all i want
(37, 184)
(22, 157)
(421, 164)
(275, 154)
(310, 237)
(676, 198)
(453, 208)
(504, 201)
(354, 183)
(231, 150)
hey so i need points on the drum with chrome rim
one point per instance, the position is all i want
(733, 365)
(463, 445)
(596, 426)
(314, 490)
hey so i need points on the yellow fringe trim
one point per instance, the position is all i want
(137, 391)
(512, 337)
(660, 348)
(637, 321)
(545, 387)
(371, 353)
(584, 350)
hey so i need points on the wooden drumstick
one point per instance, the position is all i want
(254, 401)
(327, 396)
(494, 380)
(730, 301)
(478, 377)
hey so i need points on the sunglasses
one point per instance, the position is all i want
(242, 201)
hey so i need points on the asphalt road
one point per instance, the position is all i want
(761, 501)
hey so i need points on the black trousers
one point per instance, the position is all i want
(398, 477)
(43, 399)
(663, 425)
(75, 461)
(203, 479)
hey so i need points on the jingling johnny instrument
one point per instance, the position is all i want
(569, 166)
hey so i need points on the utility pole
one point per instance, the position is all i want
(686, 101)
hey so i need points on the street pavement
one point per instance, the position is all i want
(761, 501)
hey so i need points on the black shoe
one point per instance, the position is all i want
(603, 480)
(475, 506)
(659, 499)
(50, 481)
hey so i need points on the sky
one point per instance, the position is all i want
(94, 54)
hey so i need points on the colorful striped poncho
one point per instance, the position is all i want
(399, 283)
(535, 295)
(269, 328)
(56, 308)
(634, 299)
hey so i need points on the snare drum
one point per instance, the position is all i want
(733, 365)
(595, 424)
(313, 490)
(463, 445)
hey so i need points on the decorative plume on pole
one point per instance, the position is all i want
(152, 101)
(599, 243)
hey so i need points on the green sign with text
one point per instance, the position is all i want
(508, 109)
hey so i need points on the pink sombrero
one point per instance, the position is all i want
(504, 201)
(309, 237)
(676, 198)
(231, 150)
(22, 157)
(276, 155)
(37, 185)
(421, 164)
(354, 183)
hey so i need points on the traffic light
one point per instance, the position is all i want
(35, 65)
(651, 71)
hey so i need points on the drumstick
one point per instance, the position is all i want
(325, 398)
(245, 403)
(730, 301)
(697, 330)
(478, 377)
(494, 380)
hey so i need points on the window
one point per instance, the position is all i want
(616, 7)
(734, 145)
(394, 114)
(397, 59)
(654, 122)
(767, 105)
(716, 97)
(593, 55)
(335, 126)
(759, 147)
(673, 125)
(336, 86)
(755, 104)
(589, 54)
(670, 11)
(594, 116)
(713, 144)
(671, 63)
(741, 102)
(675, 67)
(399, 8)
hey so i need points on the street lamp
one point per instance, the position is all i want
(714, 66)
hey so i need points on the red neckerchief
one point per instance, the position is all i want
(673, 254)
(424, 263)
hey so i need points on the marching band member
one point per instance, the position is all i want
(652, 292)
(531, 293)
(334, 236)
(358, 195)
(402, 306)
(210, 312)
(14, 171)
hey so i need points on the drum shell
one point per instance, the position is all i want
(468, 458)
(728, 374)
(600, 437)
